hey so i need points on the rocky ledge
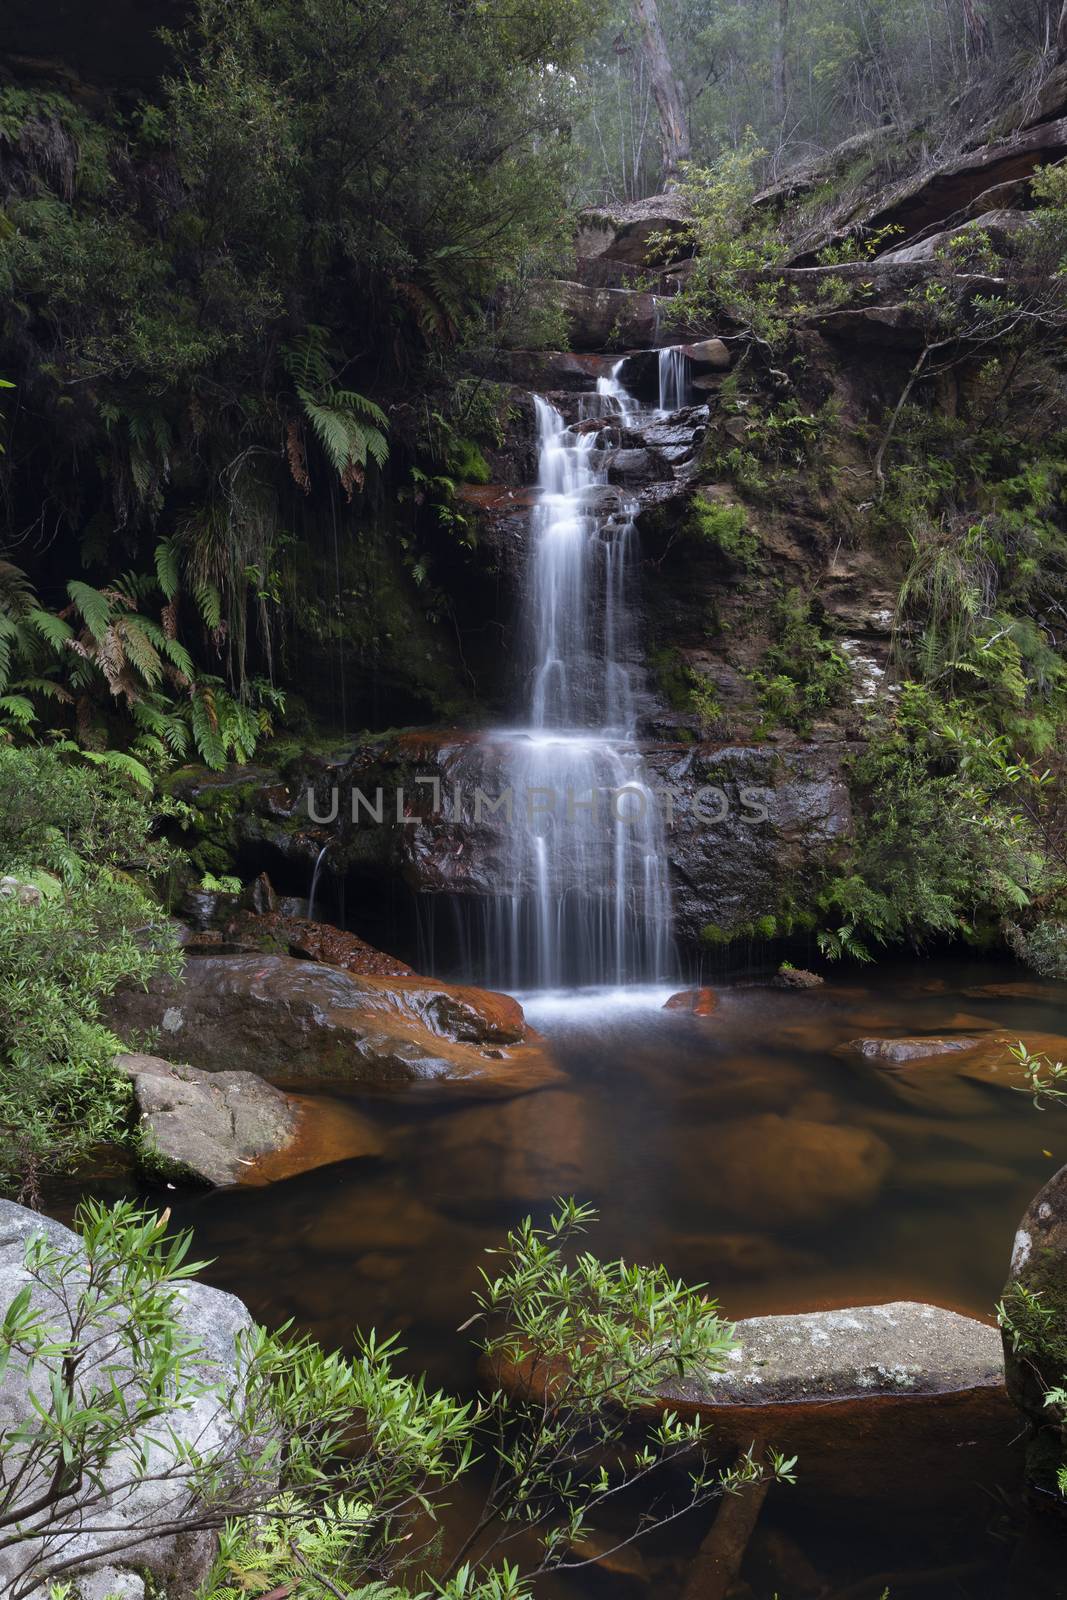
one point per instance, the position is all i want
(298, 1021)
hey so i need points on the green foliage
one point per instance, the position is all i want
(727, 527)
(803, 672)
(1042, 944)
(315, 218)
(940, 844)
(71, 836)
(731, 243)
(120, 654)
(323, 1466)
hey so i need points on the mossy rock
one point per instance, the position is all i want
(1035, 1325)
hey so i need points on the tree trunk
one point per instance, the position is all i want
(674, 124)
(780, 76)
(1061, 34)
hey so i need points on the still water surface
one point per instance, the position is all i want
(750, 1150)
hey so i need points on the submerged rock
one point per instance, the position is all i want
(769, 1167)
(116, 1545)
(302, 1022)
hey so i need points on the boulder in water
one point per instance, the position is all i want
(210, 1126)
(695, 1002)
(302, 1022)
(906, 1397)
(788, 977)
(914, 1049)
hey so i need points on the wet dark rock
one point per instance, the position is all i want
(211, 1127)
(302, 1022)
(544, 370)
(900, 1050)
(634, 469)
(796, 978)
(747, 819)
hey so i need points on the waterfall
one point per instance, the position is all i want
(673, 379)
(315, 881)
(581, 894)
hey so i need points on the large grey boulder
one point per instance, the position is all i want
(211, 1126)
(116, 1542)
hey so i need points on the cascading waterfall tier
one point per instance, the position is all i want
(674, 379)
(580, 878)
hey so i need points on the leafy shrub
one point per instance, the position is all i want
(803, 672)
(328, 1462)
(939, 847)
(72, 835)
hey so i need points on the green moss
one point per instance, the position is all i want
(727, 528)
(467, 463)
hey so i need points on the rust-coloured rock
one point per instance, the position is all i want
(696, 1002)
(299, 1021)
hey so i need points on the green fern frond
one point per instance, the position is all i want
(119, 761)
(18, 708)
(168, 574)
(94, 607)
(53, 629)
(209, 603)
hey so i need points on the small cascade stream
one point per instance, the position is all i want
(583, 895)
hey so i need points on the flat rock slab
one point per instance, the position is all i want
(904, 1403)
(905, 1347)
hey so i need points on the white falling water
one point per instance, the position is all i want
(673, 379)
(582, 894)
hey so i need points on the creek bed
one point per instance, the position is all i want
(750, 1150)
